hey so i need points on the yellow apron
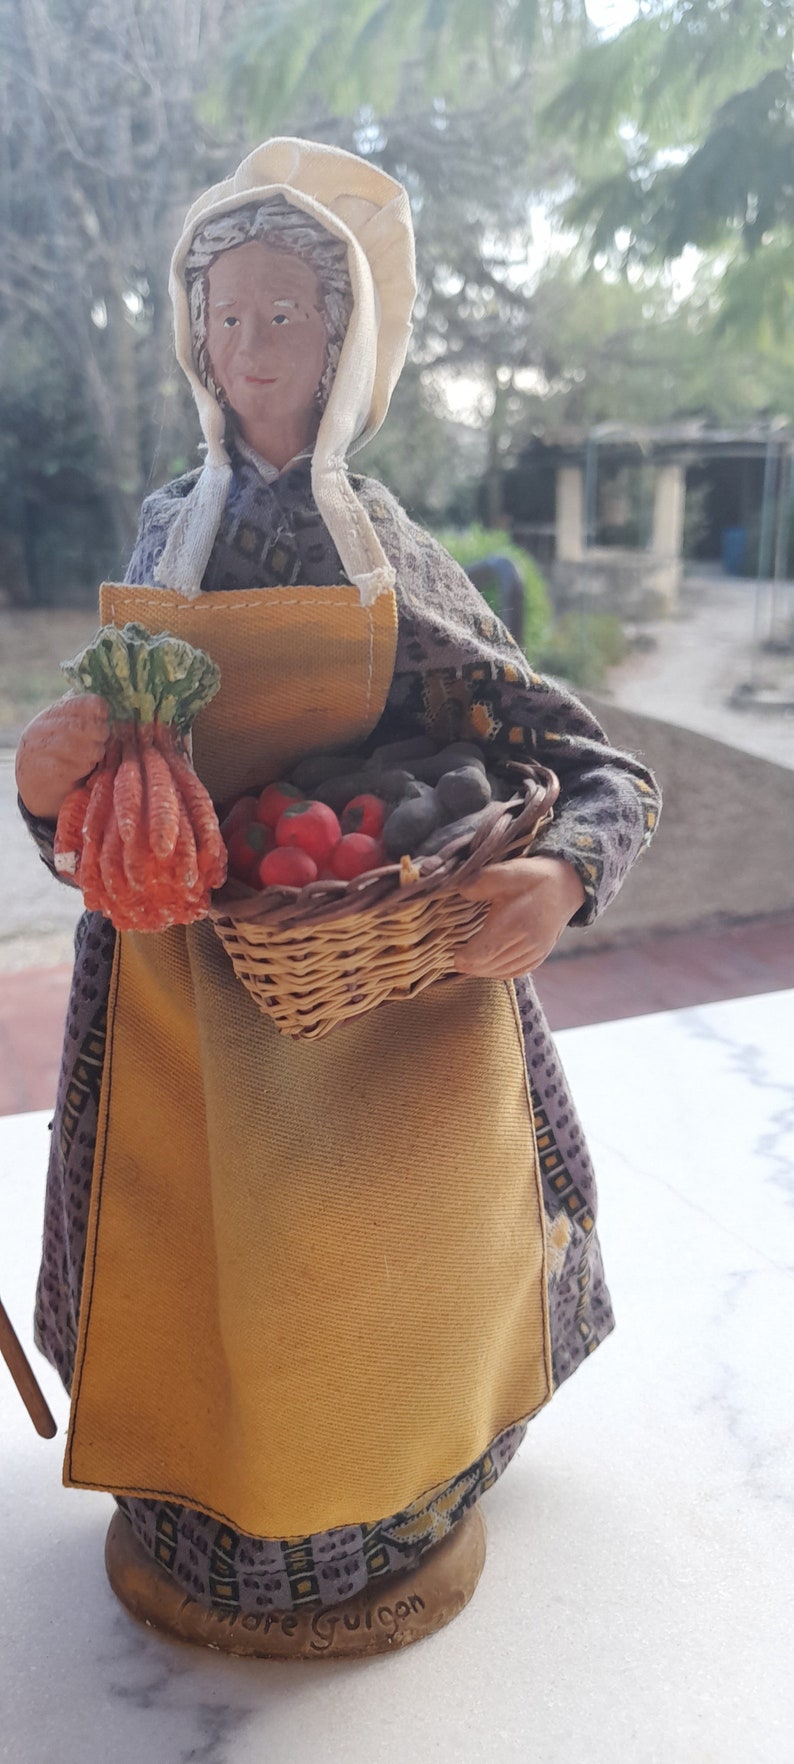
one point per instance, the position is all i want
(315, 1282)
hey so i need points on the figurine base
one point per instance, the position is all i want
(396, 1611)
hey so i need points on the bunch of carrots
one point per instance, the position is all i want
(140, 837)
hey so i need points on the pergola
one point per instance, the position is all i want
(578, 455)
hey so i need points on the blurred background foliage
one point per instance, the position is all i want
(471, 545)
(605, 230)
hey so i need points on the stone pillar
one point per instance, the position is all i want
(669, 500)
(570, 513)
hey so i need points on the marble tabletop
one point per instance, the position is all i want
(636, 1602)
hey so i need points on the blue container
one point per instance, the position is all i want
(734, 548)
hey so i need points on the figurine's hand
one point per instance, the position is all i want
(58, 750)
(532, 901)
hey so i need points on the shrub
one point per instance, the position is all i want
(471, 544)
(579, 646)
(582, 647)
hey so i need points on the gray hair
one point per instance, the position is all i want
(277, 223)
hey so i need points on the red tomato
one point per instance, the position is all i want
(274, 799)
(355, 854)
(246, 847)
(287, 867)
(364, 814)
(313, 827)
(241, 812)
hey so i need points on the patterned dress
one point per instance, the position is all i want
(458, 673)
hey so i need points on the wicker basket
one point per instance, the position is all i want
(316, 956)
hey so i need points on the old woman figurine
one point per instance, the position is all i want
(306, 1296)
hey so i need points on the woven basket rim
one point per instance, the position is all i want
(510, 829)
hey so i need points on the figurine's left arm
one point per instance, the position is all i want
(459, 669)
(607, 812)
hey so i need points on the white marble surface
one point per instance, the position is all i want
(636, 1599)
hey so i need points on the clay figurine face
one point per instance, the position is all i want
(266, 341)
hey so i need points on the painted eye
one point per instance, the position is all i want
(230, 321)
(281, 318)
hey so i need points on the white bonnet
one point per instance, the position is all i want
(370, 213)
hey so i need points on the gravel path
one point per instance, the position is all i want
(702, 655)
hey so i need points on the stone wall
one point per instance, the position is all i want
(725, 846)
(630, 584)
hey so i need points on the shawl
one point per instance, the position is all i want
(458, 671)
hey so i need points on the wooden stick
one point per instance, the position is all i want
(24, 1378)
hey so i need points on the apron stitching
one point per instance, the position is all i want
(135, 1492)
(226, 607)
(297, 600)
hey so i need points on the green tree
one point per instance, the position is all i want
(682, 127)
(101, 151)
(442, 95)
(622, 348)
(117, 111)
(353, 54)
(446, 98)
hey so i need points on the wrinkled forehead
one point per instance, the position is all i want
(257, 269)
